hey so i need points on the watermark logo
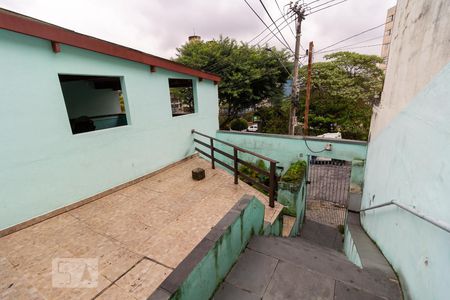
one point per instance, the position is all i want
(75, 272)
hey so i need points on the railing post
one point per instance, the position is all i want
(236, 170)
(272, 184)
(212, 153)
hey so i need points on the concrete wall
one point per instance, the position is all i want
(419, 49)
(288, 149)
(407, 154)
(44, 166)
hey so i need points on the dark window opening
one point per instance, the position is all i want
(93, 102)
(181, 96)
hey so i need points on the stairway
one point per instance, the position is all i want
(295, 268)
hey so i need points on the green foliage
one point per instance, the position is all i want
(344, 89)
(255, 175)
(250, 74)
(274, 119)
(239, 124)
(185, 95)
(295, 172)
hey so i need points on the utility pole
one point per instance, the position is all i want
(299, 10)
(308, 88)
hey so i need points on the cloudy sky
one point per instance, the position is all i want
(160, 26)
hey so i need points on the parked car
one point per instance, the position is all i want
(253, 128)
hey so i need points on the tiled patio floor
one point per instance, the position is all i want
(139, 234)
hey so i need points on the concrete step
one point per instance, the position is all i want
(288, 224)
(322, 235)
(292, 268)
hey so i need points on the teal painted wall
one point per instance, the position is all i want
(408, 161)
(293, 197)
(288, 149)
(44, 166)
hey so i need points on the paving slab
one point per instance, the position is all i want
(325, 261)
(228, 291)
(252, 272)
(343, 291)
(323, 235)
(292, 282)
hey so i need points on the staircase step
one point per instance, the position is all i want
(288, 224)
(322, 235)
(327, 262)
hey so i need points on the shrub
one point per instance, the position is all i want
(254, 175)
(295, 172)
(239, 124)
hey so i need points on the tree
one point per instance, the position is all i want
(250, 74)
(344, 89)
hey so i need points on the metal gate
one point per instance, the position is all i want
(328, 191)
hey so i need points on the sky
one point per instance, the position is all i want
(160, 26)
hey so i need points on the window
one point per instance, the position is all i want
(388, 32)
(181, 96)
(93, 102)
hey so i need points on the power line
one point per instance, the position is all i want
(267, 35)
(312, 2)
(284, 17)
(346, 46)
(264, 30)
(248, 4)
(319, 5)
(313, 12)
(279, 31)
(353, 36)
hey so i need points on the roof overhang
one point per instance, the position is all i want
(26, 25)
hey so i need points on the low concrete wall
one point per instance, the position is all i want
(350, 249)
(199, 274)
(287, 149)
(293, 197)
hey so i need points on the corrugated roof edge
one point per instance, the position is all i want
(19, 23)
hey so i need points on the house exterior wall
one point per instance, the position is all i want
(408, 150)
(44, 166)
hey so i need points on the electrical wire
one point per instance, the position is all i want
(271, 37)
(313, 12)
(284, 17)
(319, 5)
(259, 17)
(304, 139)
(351, 45)
(353, 36)
(345, 48)
(265, 29)
(279, 31)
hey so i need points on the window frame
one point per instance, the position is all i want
(125, 99)
(194, 95)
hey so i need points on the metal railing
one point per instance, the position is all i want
(271, 189)
(442, 225)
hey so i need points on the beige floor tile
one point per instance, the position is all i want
(115, 293)
(143, 279)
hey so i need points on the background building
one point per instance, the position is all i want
(387, 35)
